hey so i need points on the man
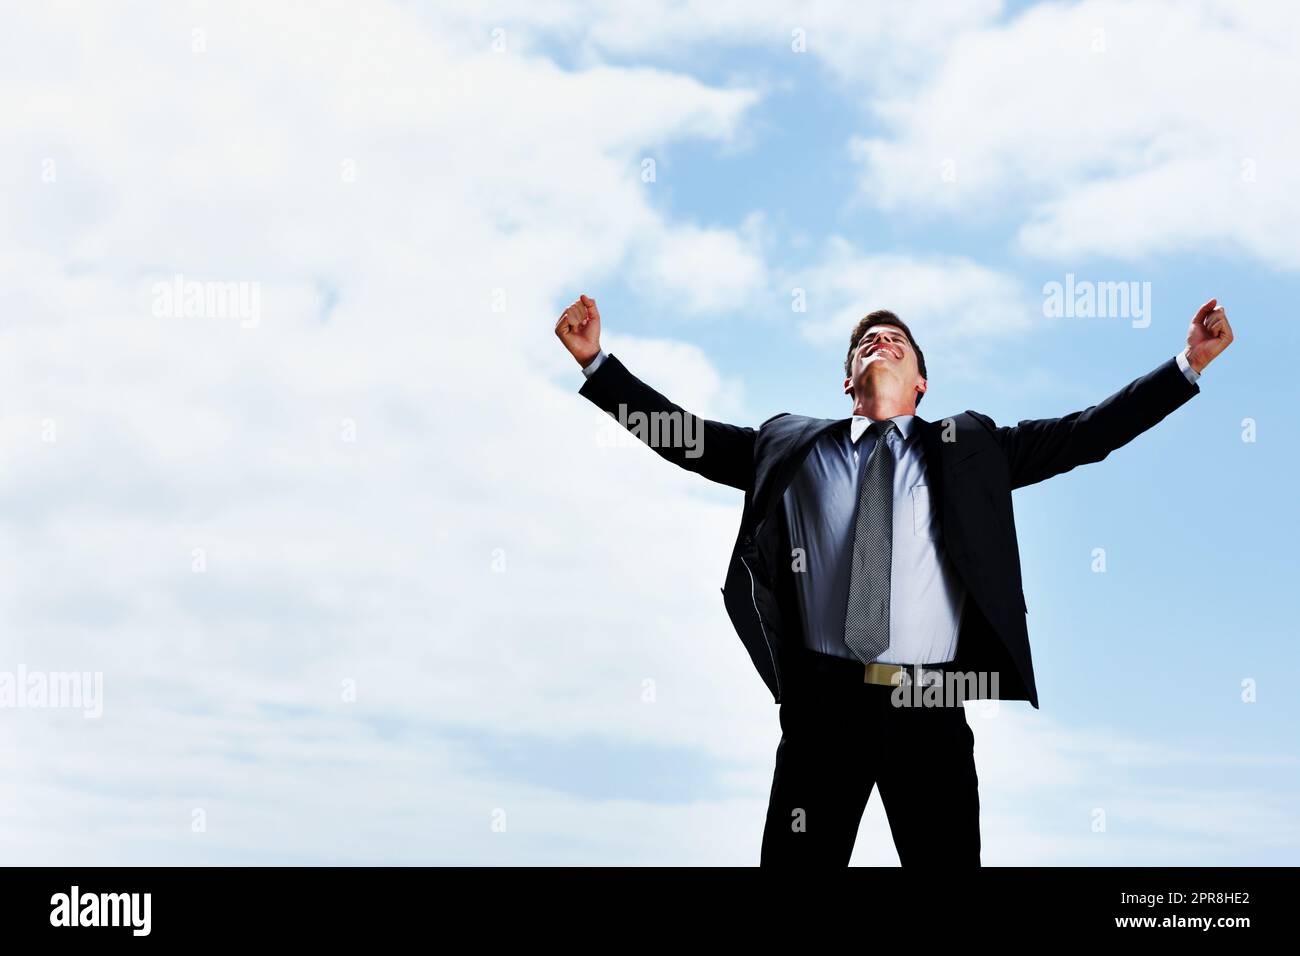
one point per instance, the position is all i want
(875, 580)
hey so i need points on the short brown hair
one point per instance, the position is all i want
(882, 317)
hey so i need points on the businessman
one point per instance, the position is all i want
(875, 580)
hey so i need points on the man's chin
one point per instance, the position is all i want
(879, 359)
(875, 371)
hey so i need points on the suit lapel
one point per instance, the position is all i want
(786, 463)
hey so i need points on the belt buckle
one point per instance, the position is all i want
(892, 675)
(889, 675)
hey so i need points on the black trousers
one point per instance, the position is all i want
(840, 737)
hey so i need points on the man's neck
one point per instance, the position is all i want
(878, 408)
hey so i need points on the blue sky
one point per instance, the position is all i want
(362, 578)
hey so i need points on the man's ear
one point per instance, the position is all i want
(848, 386)
(920, 389)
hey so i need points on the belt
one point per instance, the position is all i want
(886, 675)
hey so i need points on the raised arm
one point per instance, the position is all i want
(1037, 449)
(718, 451)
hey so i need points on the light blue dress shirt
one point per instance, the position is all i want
(926, 594)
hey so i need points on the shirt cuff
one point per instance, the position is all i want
(590, 370)
(1181, 359)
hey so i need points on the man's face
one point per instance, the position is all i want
(883, 352)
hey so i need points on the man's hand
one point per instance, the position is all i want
(579, 329)
(1208, 335)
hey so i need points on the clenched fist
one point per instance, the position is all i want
(1208, 335)
(579, 329)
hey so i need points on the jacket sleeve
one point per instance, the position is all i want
(1037, 449)
(718, 451)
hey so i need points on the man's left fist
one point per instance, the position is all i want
(1208, 335)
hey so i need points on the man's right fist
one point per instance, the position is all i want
(579, 329)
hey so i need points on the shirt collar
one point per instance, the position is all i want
(860, 423)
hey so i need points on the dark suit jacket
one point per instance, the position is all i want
(973, 466)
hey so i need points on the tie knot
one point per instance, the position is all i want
(883, 429)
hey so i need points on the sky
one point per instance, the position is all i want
(357, 577)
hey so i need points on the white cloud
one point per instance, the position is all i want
(944, 300)
(350, 467)
(1107, 129)
(692, 270)
(893, 40)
